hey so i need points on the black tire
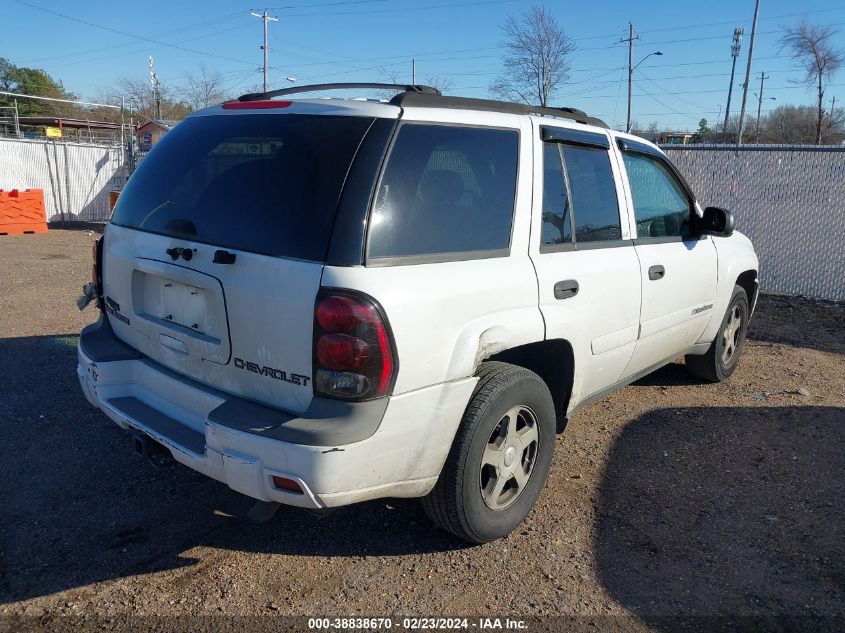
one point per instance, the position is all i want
(712, 366)
(457, 503)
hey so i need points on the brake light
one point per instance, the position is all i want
(353, 350)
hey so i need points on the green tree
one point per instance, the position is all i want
(34, 81)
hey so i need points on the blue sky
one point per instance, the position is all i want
(356, 40)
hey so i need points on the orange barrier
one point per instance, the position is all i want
(22, 212)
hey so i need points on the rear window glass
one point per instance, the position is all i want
(263, 183)
(445, 189)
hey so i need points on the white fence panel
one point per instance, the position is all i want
(75, 177)
(790, 200)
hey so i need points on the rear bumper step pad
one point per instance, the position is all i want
(160, 426)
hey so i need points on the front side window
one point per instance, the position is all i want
(661, 206)
(445, 189)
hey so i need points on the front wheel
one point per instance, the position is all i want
(500, 457)
(722, 357)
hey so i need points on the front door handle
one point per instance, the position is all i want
(566, 289)
(656, 272)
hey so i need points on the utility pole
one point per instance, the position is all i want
(747, 74)
(630, 39)
(736, 47)
(265, 17)
(413, 71)
(763, 77)
(155, 86)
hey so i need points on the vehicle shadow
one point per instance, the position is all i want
(78, 506)
(708, 512)
(671, 375)
(799, 322)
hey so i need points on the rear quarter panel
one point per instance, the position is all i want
(447, 317)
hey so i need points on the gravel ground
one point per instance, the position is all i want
(669, 498)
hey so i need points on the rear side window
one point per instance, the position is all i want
(594, 199)
(266, 183)
(578, 187)
(557, 220)
(661, 206)
(445, 189)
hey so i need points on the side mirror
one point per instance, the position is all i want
(716, 221)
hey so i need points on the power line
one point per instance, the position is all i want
(184, 29)
(143, 49)
(324, 4)
(451, 5)
(132, 35)
(663, 90)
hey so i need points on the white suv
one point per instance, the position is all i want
(324, 301)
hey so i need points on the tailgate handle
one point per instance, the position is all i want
(566, 289)
(223, 257)
(656, 272)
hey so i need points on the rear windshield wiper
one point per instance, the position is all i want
(180, 225)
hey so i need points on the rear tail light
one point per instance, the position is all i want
(354, 353)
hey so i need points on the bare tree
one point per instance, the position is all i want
(392, 75)
(535, 60)
(443, 84)
(140, 98)
(205, 88)
(795, 125)
(811, 47)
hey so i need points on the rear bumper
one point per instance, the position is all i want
(401, 458)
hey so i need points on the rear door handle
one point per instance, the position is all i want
(656, 272)
(566, 289)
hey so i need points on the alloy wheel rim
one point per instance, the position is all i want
(509, 458)
(731, 335)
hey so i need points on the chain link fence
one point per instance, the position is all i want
(75, 177)
(790, 200)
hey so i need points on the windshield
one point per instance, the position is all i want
(267, 184)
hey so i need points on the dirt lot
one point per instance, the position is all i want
(667, 498)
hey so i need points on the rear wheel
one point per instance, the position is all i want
(500, 458)
(722, 357)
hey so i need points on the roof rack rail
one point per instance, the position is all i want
(405, 88)
(468, 103)
(427, 96)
